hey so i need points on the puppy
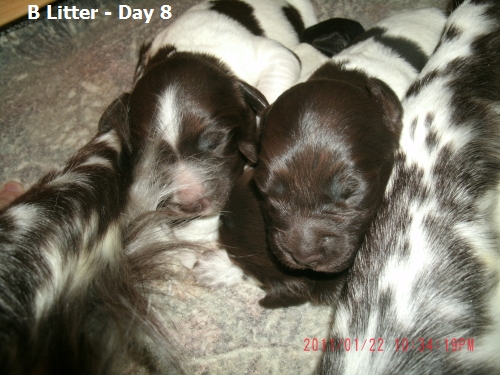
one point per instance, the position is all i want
(423, 294)
(243, 235)
(69, 298)
(327, 144)
(194, 105)
(250, 37)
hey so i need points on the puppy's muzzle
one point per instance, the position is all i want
(311, 243)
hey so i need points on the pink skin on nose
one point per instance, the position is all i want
(190, 193)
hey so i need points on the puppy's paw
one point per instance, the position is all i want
(214, 269)
(274, 301)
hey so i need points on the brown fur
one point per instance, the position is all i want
(326, 154)
(243, 235)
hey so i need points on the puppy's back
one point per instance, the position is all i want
(395, 49)
(424, 287)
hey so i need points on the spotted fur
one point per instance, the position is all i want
(69, 297)
(251, 37)
(429, 269)
(396, 49)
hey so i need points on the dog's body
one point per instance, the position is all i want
(327, 144)
(396, 49)
(69, 302)
(424, 292)
(251, 37)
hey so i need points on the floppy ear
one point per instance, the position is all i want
(254, 98)
(390, 104)
(333, 35)
(115, 117)
(248, 135)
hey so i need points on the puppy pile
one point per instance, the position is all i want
(324, 165)
(371, 187)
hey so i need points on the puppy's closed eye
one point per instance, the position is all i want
(212, 139)
(277, 189)
(342, 189)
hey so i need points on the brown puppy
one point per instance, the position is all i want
(192, 121)
(328, 144)
(243, 235)
(326, 154)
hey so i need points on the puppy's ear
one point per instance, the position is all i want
(247, 144)
(390, 104)
(248, 135)
(333, 35)
(254, 98)
(115, 117)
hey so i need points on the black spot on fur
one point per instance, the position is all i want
(429, 119)
(405, 48)
(408, 50)
(431, 140)
(240, 12)
(293, 16)
(451, 33)
(375, 32)
(419, 84)
(413, 127)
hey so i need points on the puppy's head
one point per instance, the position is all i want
(192, 121)
(326, 155)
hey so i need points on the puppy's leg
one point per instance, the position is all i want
(214, 269)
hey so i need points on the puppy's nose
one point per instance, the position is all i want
(193, 207)
(306, 259)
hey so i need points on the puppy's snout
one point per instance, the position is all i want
(304, 258)
(306, 243)
(313, 247)
(193, 206)
(189, 194)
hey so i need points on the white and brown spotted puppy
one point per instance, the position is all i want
(194, 104)
(327, 144)
(423, 294)
(68, 297)
(251, 37)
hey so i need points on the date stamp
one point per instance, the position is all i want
(380, 345)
